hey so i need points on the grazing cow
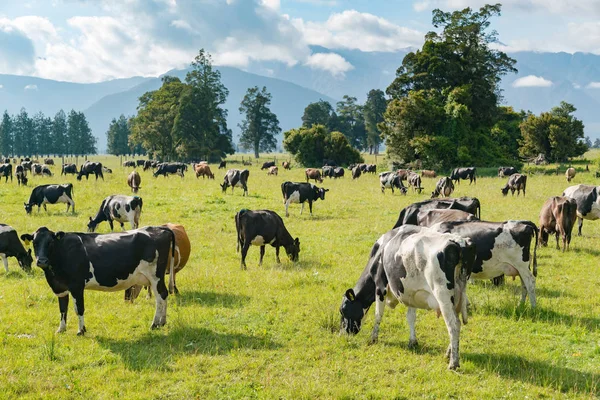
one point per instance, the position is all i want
(356, 172)
(403, 174)
(444, 187)
(516, 182)
(273, 171)
(118, 208)
(204, 171)
(414, 181)
(420, 268)
(464, 173)
(140, 163)
(558, 216)
(38, 169)
(262, 227)
(570, 174)
(506, 171)
(50, 194)
(11, 246)
(223, 164)
(106, 170)
(134, 180)
(130, 163)
(327, 171)
(166, 169)
(236, 177)
(299, 193)
(48, 161)
(409, 214)
(338, 172)
(267, 165)
(111, 262)
(391, 180)
(21, 174)
(371, 168)
(588, 202)
(286, 165)
(313, 173)
(26, 164)
(503, 248)
(148, 164)
(6, 172)
(91, 168)
(428, 173)
(69, 169)
(431, 217)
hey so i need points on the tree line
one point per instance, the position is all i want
(25, 135)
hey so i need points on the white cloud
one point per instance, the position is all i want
(31, 87)
(570, 7)
(274, 4)
(593, 85)
(1, 86)
(330, 62)
(532, 81)
(576, 86)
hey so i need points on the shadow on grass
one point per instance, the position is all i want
(542, 292)
(18, 274)
(540, 314)
(302, 265)
(591, 252)
(210, 299)
(537, 373)
(154, 351)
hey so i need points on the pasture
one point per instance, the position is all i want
(272, 331)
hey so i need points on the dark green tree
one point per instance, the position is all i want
(6, 135)
(23, 134)
(260, 125)
(351, 121)
(81, 139)
(320, 113)
(373, 111)
(59, 137)
(506, 134)
(42, 126)
(117, 137)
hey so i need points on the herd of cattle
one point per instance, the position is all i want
(424, 261)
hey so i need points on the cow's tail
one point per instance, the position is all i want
(238, 228)
(70, 190)
(283, 186)
(172, 263)
(535, 229)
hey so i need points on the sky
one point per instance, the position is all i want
(97, 40)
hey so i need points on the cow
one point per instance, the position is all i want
(140, 163)
(588, 202)
(516, 182)
(38, 169)
(165, 169)
(464, 173)
(409, 214)
(223, 164)
(431, 217)
(570, 174)
(26, 164)
(299, 192)
(134, 180)
(6, 160)
(444, 187)
(506, 171)
(149, 164)
(48, 161)
(267, 165)
(313, 173)
(90, 168)
(262, 227)
(21, 174)
(371, 168)
(428, 173)
(286, 165)
(69, 169)
(338, 172)
(11, 246)
(356, 172)
(50, 194)
(111, 262)
(236, 177)
(403, 174)
(273, 171)
(420, 268)
(183, 249)
(106, 170)
(118, 208)
(6, 172)
(204, 171)
(558, 216)
(414, 181)
(328, 171)
(390, 180)
(129, 163)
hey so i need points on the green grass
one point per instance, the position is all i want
(271, 331)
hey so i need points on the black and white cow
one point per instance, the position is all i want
(236, 177)
(299, 192)
(391, 180)
(6, 171)
(588, 202)
(420, 268)
(27, 164)
(166, 169)
(431, 217)
(39, 169)
(91, 168)
(69, 169)
(356, 171)
(130, 163)
(140, 163)
(506, 171)
(50, 194)
(443, 187)
(111, 262)
(21, 174)
(414, 181)
(267, 165)
(464, 173)
(516, 182)
(11, 246)
(118, 208)
(503, 248)
(338, 172)
(262, 227)
(409, 214)
(328, 172)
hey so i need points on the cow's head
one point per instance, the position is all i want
(92, 225)
(24, 180)
(224, 185)
(25, 260)
(44, 241)
(28, 207)
(320, 193)
(293, 250)
(504, 190)
(352, 313)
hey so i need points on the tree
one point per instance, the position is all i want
(588, 142)
(596, 144)
(310, 146)
(351, 121)
(6, 135)
(260, 125)
(320, 113)
(81, 140)
(506, 133)
(42, 126)
(23, 134)
(373, 111)
(60, 144)
(117, 136)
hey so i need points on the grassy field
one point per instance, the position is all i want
(271, 331)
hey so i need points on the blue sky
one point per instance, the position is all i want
(94, 40)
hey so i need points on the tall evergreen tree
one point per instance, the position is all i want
(117, 136)
(260, 125)
(373, 111)
(42, 126)
(81, 139)
(352, 122)
(24, 135)
(59, 136)
(7, 135)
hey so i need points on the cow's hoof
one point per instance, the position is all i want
(61, 330)
(373, 340)
(82, 332)
(154, 326)
(453, 366)
(412, 344)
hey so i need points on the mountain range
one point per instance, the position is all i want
(574, 78)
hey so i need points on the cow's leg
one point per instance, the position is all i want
(123, 226)
(79, 309)
(379, 309)
(5, 261)
(63, 305)
(277, 254)
(527, 285)
(580, 225)
(453, 326)
(262, 254)
(557, 245)
(301, 208)
(45, 208)
(411, 318)
(110, 222)
(245, 248)
(287, 204)
(310, 207)
(160, 293)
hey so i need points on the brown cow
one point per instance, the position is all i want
(428, 173)
(403, 174)
(558, 216)
(183, 249)
(204, 170)
(286, 165)
(431, 217)
(313, 173)
(570, 174)
(273, 171)
(133, 180)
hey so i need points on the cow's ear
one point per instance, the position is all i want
(90, 219)
(297, 243)
(327, 190)
(350, 294)
(29, 251)
(59, 235)
(26, 238)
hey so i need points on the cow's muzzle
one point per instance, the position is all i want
(42, 262)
